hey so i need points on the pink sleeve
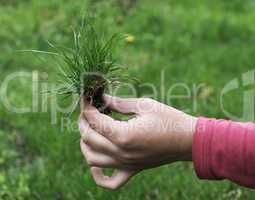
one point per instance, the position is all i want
(225, 150)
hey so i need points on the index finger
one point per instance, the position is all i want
(110, 128)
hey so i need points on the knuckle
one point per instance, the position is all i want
(125, 141)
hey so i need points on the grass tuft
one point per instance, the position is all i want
(88, 68)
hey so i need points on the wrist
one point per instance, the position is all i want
(192, 123)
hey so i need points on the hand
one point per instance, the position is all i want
(157, 135)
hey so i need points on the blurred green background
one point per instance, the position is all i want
(194, 42)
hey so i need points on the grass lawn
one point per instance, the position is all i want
(193, 42)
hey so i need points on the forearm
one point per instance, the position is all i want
(225, 150)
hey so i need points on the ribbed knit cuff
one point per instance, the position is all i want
(201, 148)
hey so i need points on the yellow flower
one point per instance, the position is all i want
(206, 92)
(130, 38)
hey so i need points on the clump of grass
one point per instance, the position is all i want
(88, 68)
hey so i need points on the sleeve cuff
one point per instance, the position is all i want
(201, 148)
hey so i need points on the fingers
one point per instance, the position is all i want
(105, 125)
(119, 178)
(118, 132)
(98, 159)
(95, 140)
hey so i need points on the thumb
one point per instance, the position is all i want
(121, 105)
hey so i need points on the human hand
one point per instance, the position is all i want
(157, 135)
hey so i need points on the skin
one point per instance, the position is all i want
(155, 135)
